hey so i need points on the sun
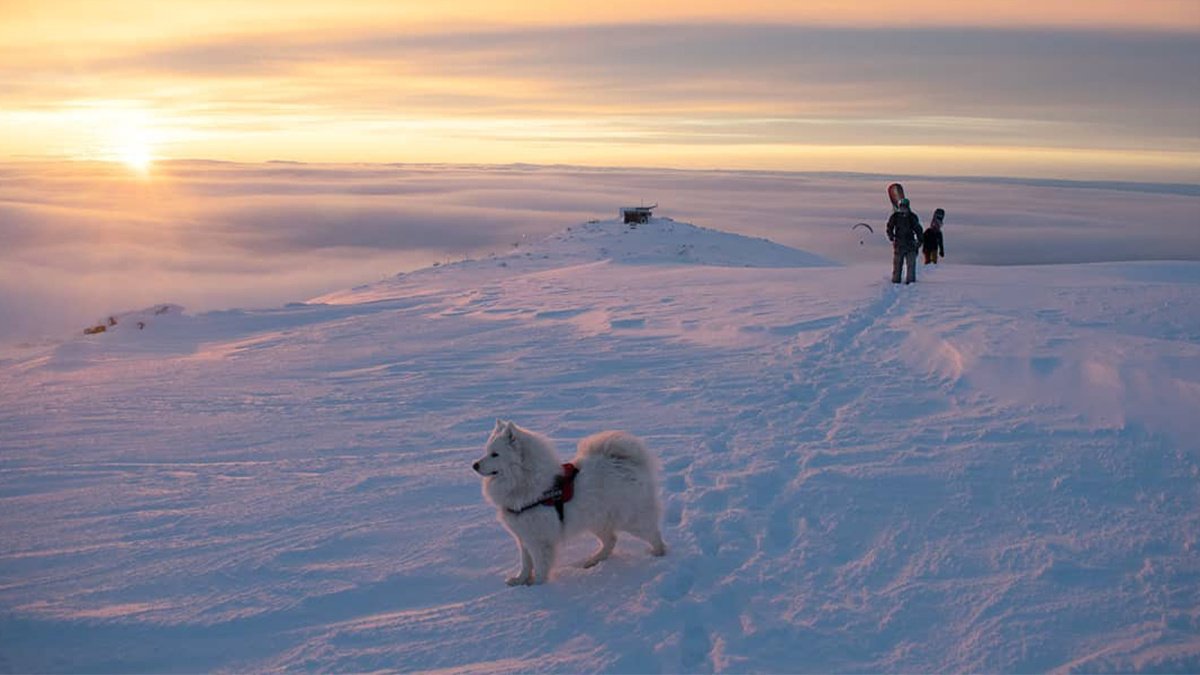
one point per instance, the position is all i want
(134, 151)
(129, 143)
(120, 132)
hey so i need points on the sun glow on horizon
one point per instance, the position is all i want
(119, 132)
(134, 150)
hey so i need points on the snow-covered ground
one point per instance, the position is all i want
(996, 469)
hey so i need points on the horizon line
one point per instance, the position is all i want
(1124, 185)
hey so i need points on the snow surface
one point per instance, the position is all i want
(996, 469)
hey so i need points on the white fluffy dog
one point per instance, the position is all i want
(615, 487)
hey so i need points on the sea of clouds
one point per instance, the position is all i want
(82, 240)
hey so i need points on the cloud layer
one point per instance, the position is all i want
(938, 99)
(84, 239)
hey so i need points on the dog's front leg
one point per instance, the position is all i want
(543, 554)
(525, 576)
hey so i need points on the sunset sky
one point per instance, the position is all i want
(1102, 89)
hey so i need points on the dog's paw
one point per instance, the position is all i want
(518, 581)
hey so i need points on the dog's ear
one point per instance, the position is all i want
(510, 433)
(499, 424)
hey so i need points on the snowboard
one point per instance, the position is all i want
(895, 193)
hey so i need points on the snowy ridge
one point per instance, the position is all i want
(661, 241)
(993, 470)
(665, 241)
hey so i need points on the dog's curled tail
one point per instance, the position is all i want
(619, 447)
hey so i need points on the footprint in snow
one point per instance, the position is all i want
(695, 647)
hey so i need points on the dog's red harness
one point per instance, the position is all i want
(561, 493)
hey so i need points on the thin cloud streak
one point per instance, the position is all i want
(608, 68)
(77, 26)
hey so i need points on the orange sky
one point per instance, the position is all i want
(1098, 89)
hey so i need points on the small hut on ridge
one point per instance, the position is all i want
(636, 214)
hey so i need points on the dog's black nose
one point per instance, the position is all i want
(476, 467)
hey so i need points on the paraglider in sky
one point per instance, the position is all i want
(858, 225)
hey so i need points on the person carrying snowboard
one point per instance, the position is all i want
(904, 231)
(933, 238)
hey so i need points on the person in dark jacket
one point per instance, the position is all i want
(933, 238)
(904, 231)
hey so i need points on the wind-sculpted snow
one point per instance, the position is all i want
(992, 470)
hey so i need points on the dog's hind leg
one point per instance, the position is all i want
(649, 533)
(525, 576)
(608, 539)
